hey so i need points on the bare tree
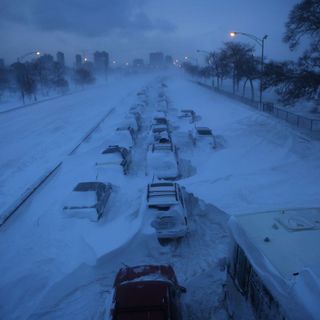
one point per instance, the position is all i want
(83, 77)
(236, 55)
(4, 80)
(24, 80)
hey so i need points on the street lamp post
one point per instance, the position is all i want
(28, 54)
(260, 42)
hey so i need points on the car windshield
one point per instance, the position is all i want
(111, 150)
(88, 186)
(160, 208)
(204, 131)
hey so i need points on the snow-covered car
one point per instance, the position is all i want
(166, 210)
(163, 137)
(138, 107)
(188, 114)
(115, 155)
(125, 136)
(160, 134)
(88, 200)
(162, 105)
(157, 129)
(130, 121)
(159, 118)
(146, 292)
(202, 135)
(273, 269)
(162, 161)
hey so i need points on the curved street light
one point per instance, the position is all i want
(260, 42)
(28, 54)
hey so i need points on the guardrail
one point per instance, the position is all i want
(269, 107)
(292, 118)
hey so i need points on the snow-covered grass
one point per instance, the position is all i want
(302, 107)
(57, 267)
(262, 162)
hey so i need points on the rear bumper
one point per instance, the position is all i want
(172, 233)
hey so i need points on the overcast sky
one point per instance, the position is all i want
(130, 29)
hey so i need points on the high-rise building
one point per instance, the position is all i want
(78, 61)
(138, 63)
(60, 58)
(88, 65)
(46, 59)
(168, 60)
(1, 63)
(156, 59)
(101, 61)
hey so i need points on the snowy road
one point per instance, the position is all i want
(33, 140)
(68, 266)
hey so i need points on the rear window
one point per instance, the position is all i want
(204, 132)
(160, 208)
(111, 150)
(89, 186)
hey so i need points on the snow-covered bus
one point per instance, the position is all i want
(274, 269)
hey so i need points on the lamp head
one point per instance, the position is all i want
(233, 34)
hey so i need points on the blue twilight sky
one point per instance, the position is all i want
(129, 29)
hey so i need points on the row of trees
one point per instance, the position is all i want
(292, 80)
(234, 60)
(41, 76)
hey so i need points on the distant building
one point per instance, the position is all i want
(60, 58)
(88, 65)
(1, 63)
(78, 61)
(46, 58)
(101, 61)
(156, 59)
(138, 63)
(168, 60)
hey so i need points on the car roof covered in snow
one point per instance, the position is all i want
(159, 114)
(90, 186)
(162, 272)
(189, 111)
(283, 247)
(162, 193)
(285, 237)
(168, 146)
(116, 149)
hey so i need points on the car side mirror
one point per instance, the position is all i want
(182, 289)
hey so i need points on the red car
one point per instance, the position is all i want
(146, 292)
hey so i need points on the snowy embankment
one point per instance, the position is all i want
(67, 265)
(261, 164)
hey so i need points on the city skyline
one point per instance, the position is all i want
(134, 28)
